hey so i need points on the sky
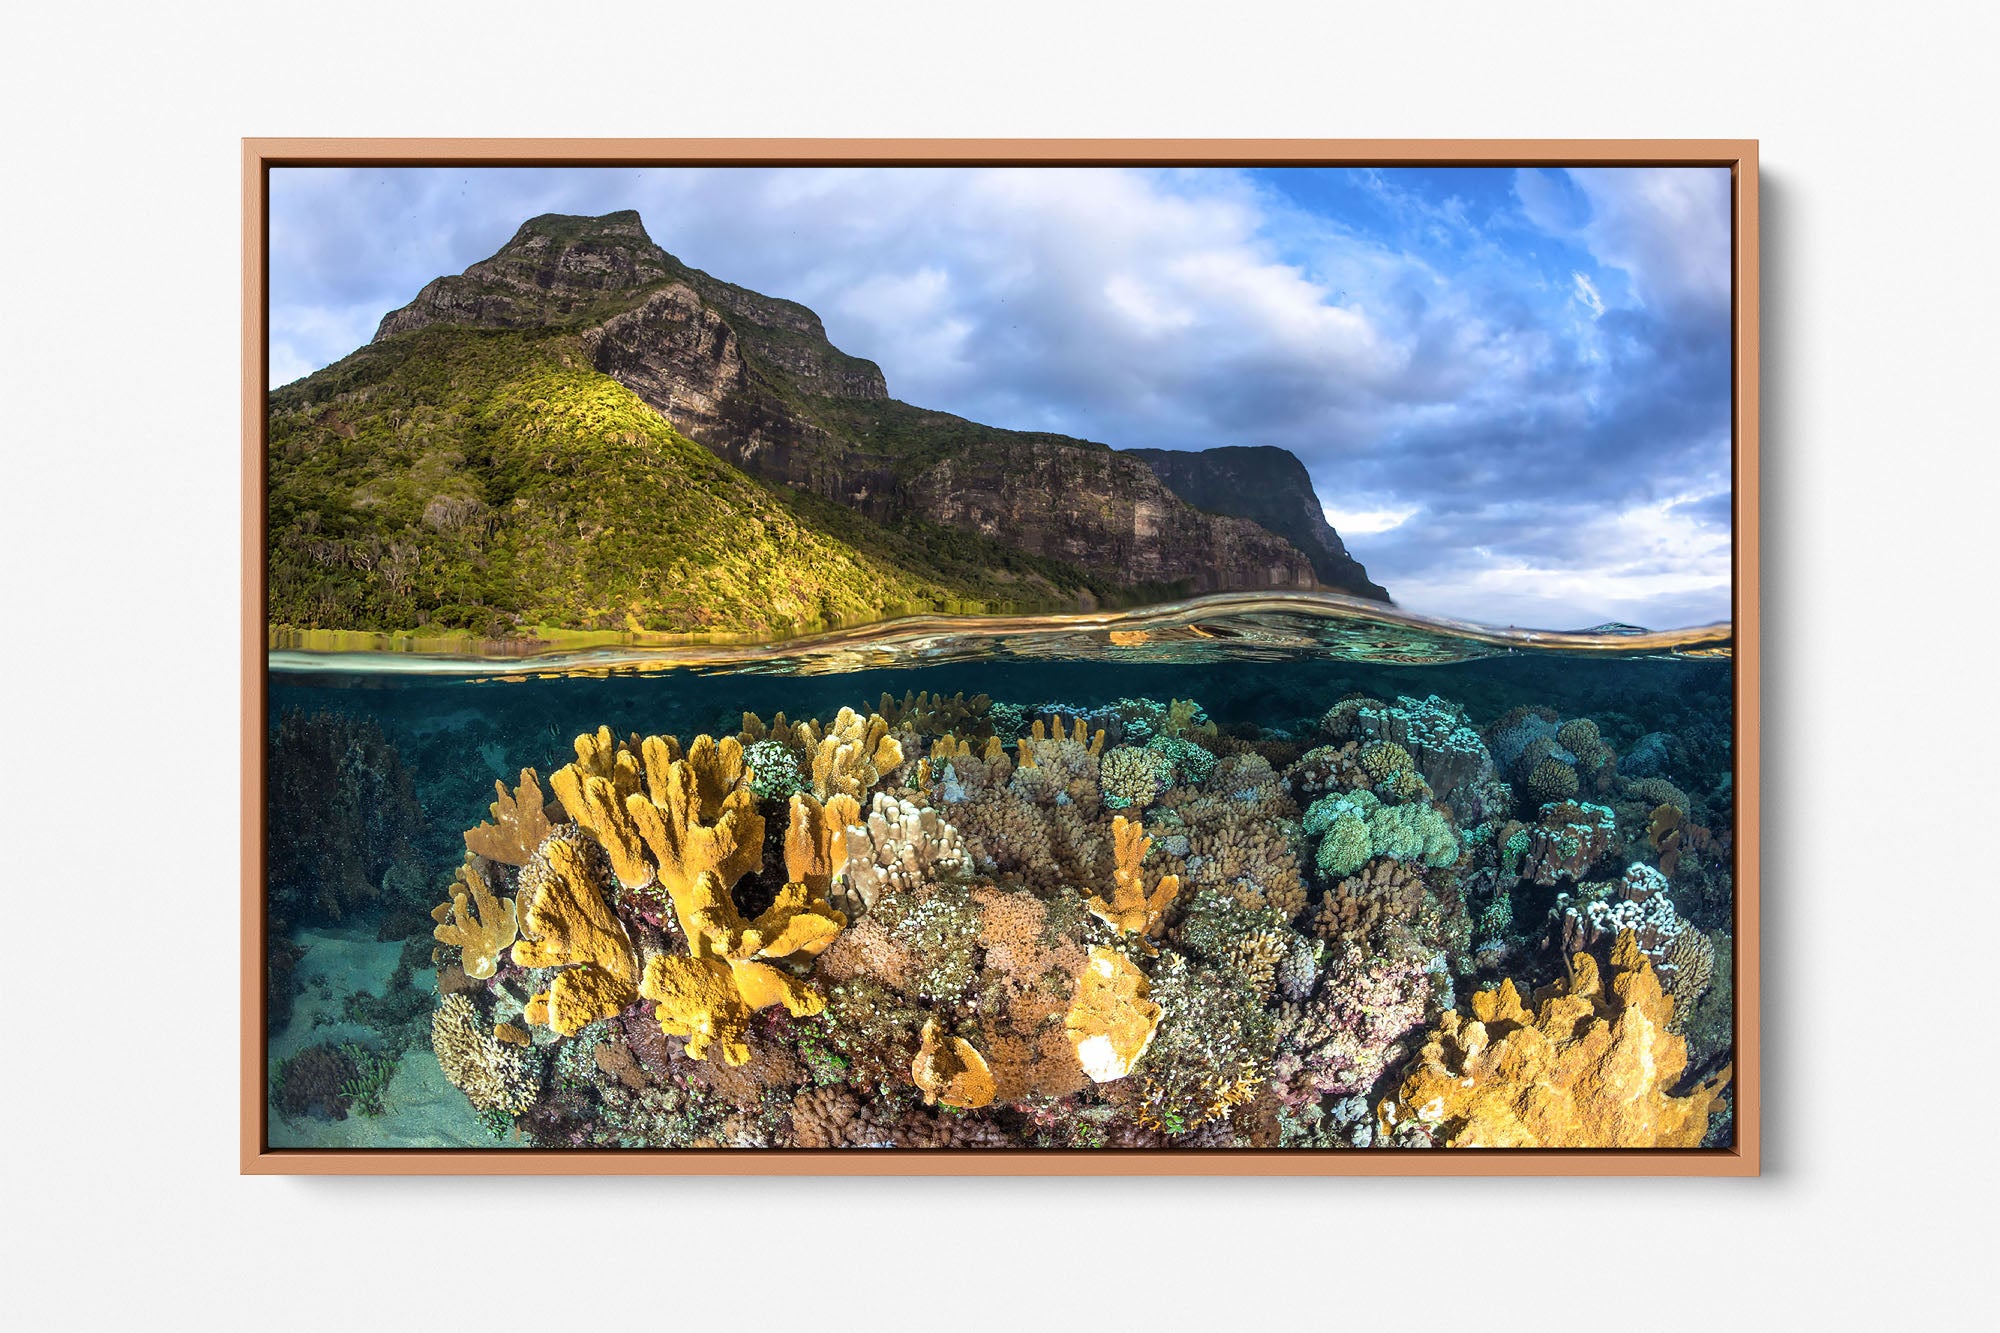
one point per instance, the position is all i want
(1511, 387)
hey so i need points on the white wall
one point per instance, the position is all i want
(117, 906)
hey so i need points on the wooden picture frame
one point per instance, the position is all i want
(260, 156)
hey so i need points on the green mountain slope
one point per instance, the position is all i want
(492, 481)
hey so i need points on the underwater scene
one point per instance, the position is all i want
(1308, 879)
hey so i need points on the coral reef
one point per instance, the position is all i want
(960, 922)
(1569, 839)
(1111, 1022)
(566, 923)
(1590, 1065)
(342, 815)
(1132, 907)
(951, 1070)
(1339, 1042)
(896, 848)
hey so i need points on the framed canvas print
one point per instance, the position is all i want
(993, 657)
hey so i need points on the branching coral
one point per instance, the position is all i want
(566, 923)
(1133, 776)
(1362, 908)
(480, 924)
(1246, 944)
(1132, 907)
(1214, 1039)
(697, 818)
(926, 714)
(816, 841)
(898, 847)
(594, 790)
(520, 822)
(1591, 1066)
(709, 996)
(495, 1074)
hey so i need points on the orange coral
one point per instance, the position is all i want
(594, 791)
(696, 816)
(1112, 1021)
(816, 840)
(479, 923)
(519, 823)
(566, 923)
(1133, 908)
(1590, 1067)
(709, 996)
(852, 755)
(951, 1070)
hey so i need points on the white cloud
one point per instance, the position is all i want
(1365, 522)
(1586, 292)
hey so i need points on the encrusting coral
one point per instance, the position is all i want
(1111, 1022)
(951, 1070)
(1590, 1065)
(480, 924)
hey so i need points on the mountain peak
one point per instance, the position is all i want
(625, 225)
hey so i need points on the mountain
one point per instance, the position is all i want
(466, 479)
(583, 433)
(1268, 486)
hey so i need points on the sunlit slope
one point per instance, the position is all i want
(492, 482)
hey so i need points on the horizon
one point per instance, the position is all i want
(1510, 387)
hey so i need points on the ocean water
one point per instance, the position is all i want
(1501, 802)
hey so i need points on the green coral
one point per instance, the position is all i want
(1413, 833)
(1355, 826)
(373, 1072)
(774, 770)
(1191, 764)
(1345, 849)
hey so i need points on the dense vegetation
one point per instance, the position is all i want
(490, 481)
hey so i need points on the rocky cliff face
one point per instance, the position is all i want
(1270, 487)
(755, 379)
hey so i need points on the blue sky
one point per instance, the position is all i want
(1511, 387)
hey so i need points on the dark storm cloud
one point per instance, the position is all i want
(1511, 389)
